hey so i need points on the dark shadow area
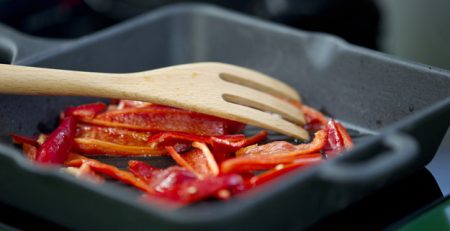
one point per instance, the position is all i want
(386, 206)
(353, 20)
(6, 55)
(11, 217)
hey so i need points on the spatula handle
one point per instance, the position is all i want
(43, 81)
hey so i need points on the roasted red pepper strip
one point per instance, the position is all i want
(258, 137)
(96, 147)
(315, 120)
(178, 185)
(346, 139)
(97, 140)
(113, 135)
(278, 152)
(254, 163)
(223, 148)
(196, 190)
(166, 138)
(198, 166)
(200, 160)
(279, 170)
(213, 168)
(122, 142)
(285, 148)
(57, 146)
(30, 151)
(181, 139)
(161, 118)
(142, 170)
(233, 145)
(338, 139)
(222, 145)
(109, 170)
(87, 111)
(160, 180)
(19, 139)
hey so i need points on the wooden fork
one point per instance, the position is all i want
(217, 89)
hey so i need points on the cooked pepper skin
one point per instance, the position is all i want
(58, 144)
(315, 120)
(76, 160)
(180, 186)
(269, 155)
(338, 138)
(157, 118)
(86, 111)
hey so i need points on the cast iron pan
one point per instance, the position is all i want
(398, 111)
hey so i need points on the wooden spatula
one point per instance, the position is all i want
(217, 89)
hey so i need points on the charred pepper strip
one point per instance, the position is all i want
(181, 140)
(113, 135)
(260, 136)
(142, 170)
(57, 146)
(164, 138)
(19, 139)
(315, 120)
(157, 178)
(222, 145)
(233, 146)
(87, 111)
(211, 162)
(178, 185)
(109, 170)
(278, 171)
(160, 180)
(197, 190)
(118, 142)
(254, 163)
(191, 160)
(166, 119)
(278, 152)
(223, 149)
(95, 147)
(335, 143)
(285, 148)
(30, 151)
(200, 160)
(122, 142)
(167, 138)
(346, 139)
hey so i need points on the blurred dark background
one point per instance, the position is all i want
(357, 21)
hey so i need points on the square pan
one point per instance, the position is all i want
(397, 103)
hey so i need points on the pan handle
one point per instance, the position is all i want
(17, 47)
(402, 149)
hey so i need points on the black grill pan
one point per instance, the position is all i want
(398, 112)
